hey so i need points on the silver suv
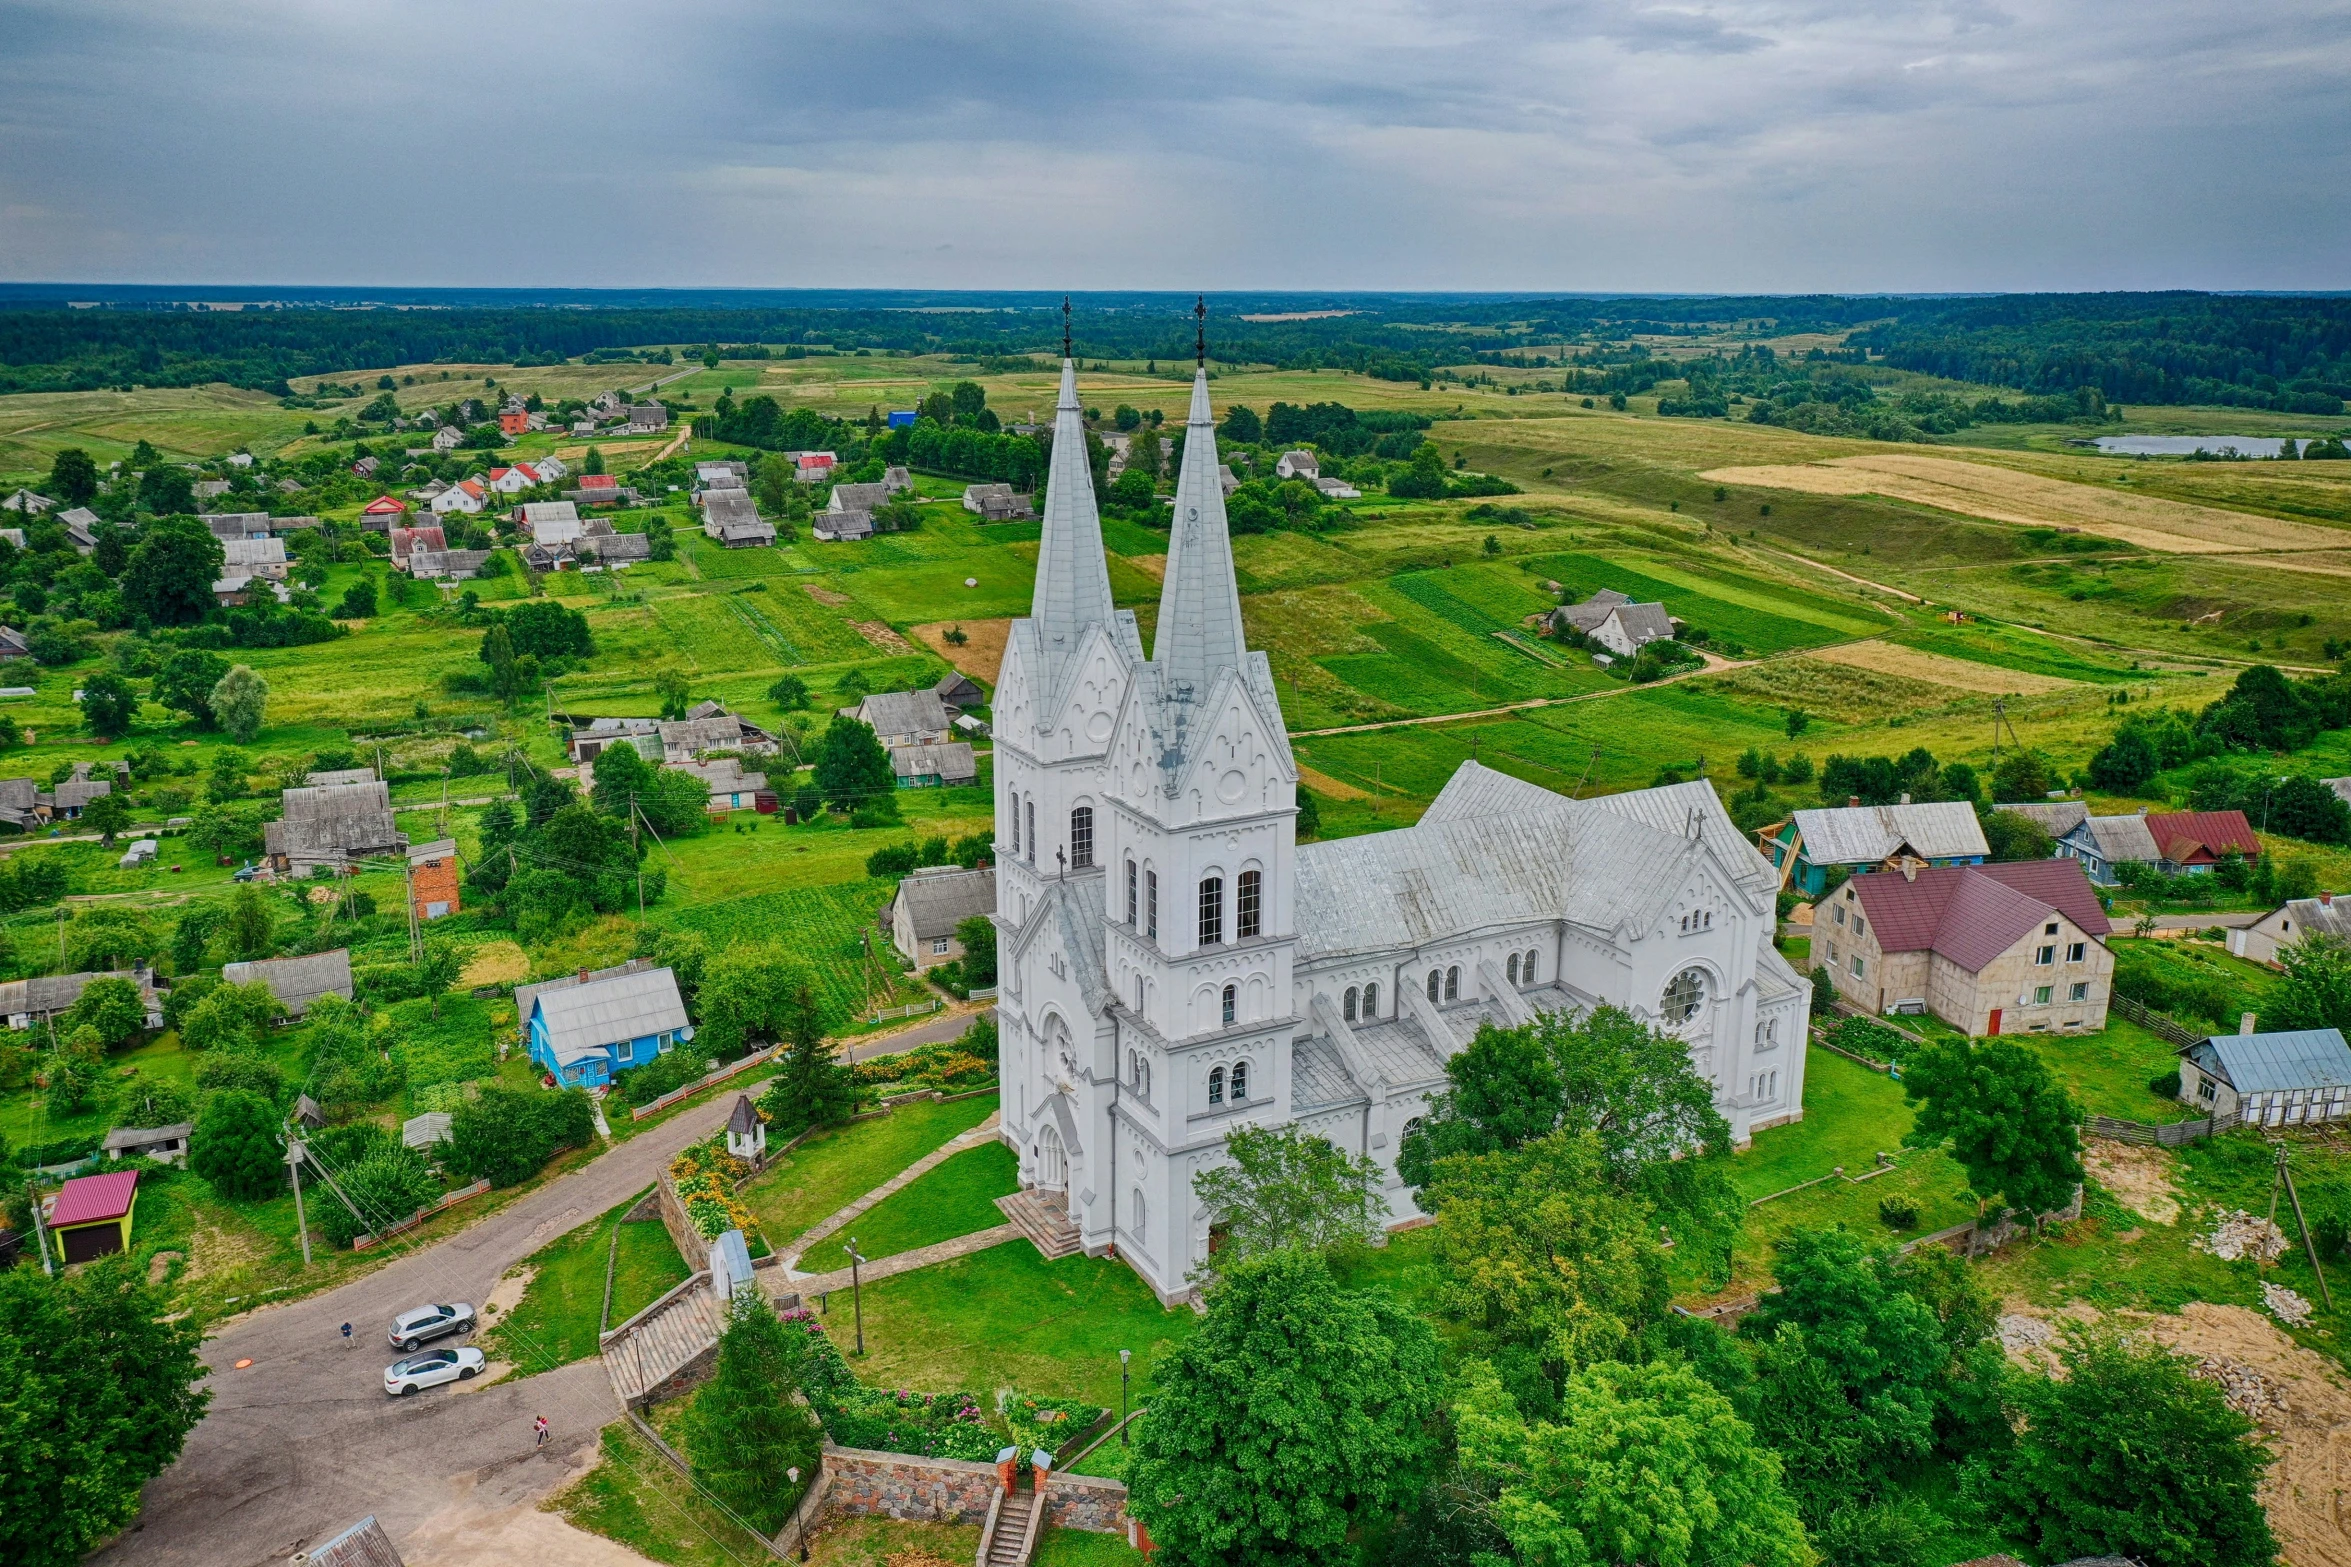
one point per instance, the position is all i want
(424, 1323)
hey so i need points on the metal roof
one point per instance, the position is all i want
(1866, 834)
(936, 901)
(297, 981)
(1318, 1078)
(582, 1019)
(2054, 817)
(2268, 1063)
(93, 1199)
(904, 712)
(2308, 916)
(950, 762)
(1971, 914)
(2121, 839)
(147, 1136)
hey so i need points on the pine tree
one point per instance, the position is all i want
(746, 1433)
(815, 1088)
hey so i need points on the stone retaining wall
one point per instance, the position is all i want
(1086, 1502)
(945, 1490)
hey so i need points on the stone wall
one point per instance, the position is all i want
(1086, 1502)
(900, 1485)
(682, 1234)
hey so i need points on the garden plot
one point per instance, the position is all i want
(1892, 658)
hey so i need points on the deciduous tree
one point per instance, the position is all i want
(239, 701)
(73, 477)
(234, 1146)
(1286, 1188)
(851, 766)
(171, 571)
(184, 683)
(2009, 1122)
(108, 704)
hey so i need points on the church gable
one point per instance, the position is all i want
(1237, 761)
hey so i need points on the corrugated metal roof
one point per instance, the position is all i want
(2269, 1063)
(1973, 913)
(582, 1019)
(2308, 916)
(524, 995)
(938, 902)
(2054, 817)
(904, 712)
(2217, 832)
(2121, 839)
(92, 1199)
(1866, 834)
(297, 981)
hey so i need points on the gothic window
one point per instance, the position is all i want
(1138, 1216)
(1211, 910)
(1248, 896)
(1216, 1085)
(1240, 1082)
(1151, 904)
(1527, 972)
(1016, 821)
(1514, 968)
(1453, 983)
(1231, 1001)
(1130, 892)
(1032, 850)
(1347, 1010)
(1081, 837)
(1411, 1130)
(1684, 996)
(1435, 979)
(1371, 1001)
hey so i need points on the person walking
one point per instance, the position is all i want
(348, 1340)
(540, 1426)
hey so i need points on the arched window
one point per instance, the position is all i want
(1347, 1010)
(1015, 821)
(1527, 971)
(1032, 850)
(1411, 1130)
(1216, 1085)
(1371, 1002)
(1138, 1215)
(1435, 979)
(1211, 910)
(1081, 837)
(1514, 968)
(1684, 996)
(1453, 983)
(1240, 1082)
(1248, 894)
(1231, 998)
(1130, 892)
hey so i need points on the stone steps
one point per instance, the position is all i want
(1044, 1219)
(1007, 1542)
(658, 1347)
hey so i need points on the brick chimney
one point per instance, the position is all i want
(583, 976)
(2326, 900)
(1852, 800)
(2245, 1023)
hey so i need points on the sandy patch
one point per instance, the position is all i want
(825, 595)
(1325, 784)
(469, 1533)
(2029, 500)
(507, 1291)
(496, 963)
(2139, 1178)
(1152, 566)
(982, 652)
(881, 636)
(1891, 658)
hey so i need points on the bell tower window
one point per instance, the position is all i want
(1248, 895)
(1081, 838)
(1211, 910)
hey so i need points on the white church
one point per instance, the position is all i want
(1174, 964)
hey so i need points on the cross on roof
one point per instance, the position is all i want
(1200, 331)
(1065, 326)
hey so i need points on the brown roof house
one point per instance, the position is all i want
(332, 824)
(1992, 949)
(922, 918)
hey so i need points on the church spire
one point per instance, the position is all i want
(1200, 603)
(1073, 578)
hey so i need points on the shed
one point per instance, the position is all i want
(423, 1131)
(2293, 1078)
(297, 982)
(166, 1143)
(91, 1215)
(746, 1132)
(958, 690)
(934, 766)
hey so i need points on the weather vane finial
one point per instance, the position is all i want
(1200, 331)
(1065, 326)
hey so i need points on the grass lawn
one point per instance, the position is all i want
(1083, 1548)
(2107, 1072)
(1005, 1316)
(832, 1167)
(954, 1199)
(559, 1316)
(885, 1542)
(635, 1497)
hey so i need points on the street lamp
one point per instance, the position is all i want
(1124, 1356)
(857, 1293)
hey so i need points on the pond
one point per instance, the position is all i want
(2182, 445)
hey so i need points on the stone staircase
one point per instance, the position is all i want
(1044, 1218)
(663, 1339)
(1012, 1532)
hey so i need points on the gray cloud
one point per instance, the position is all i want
(1576, 144)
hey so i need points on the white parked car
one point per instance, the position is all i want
(424, 1323)
(432, 1368)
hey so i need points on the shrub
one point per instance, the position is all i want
(234, 1146)
(388, 1186)
(933, 1425)
(1898, 1213)
(2165, 1085)
(1869, 1038)
(504, 1136)
(671, 1070)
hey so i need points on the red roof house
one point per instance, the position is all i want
(91, 1215)
(2199, 840)
(407, 541)
(383, 506)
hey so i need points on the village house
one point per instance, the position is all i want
(732, 518)
(812, 467)
(958, 690)
(839, 527)
(1337, 490)
(26, 503)
(587, 1030)
(552, 522)
(13, 644)
(466, 495)
(731, 788)
(513, 421)
(1615, 622)
(450, 565)
(432, 879)
(331, 825)
(254, 557)
(163, 1144)
(448, 438)
(234, 525)
(615, 550)
(366, 467)
(407, 542)
(996, 503)
(722, 475)
(708, 726)
(26, 1003)
(1298, 465)
(902, 717)
(297, 982)
(90, 1217)
(15, 538)
(210, 489)
(922, 916)
(1990, 949)
(2296, 920)
(590, 740)
(598, 489)
(934, 766)
(2175, 843)
(648, 418)
(1857, 837)
(382, 514)
(2291, 1078)
(81, 528)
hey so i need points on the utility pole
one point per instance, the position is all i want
(408, 896)
(40, 1231)
(294, 1167)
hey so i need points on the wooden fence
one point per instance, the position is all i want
(2167, 1136)
(448, 1200)
(2154, 1022)
(711, 1079)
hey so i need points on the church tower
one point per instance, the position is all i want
(1200, 852)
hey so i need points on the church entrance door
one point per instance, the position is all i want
(1052, 1161)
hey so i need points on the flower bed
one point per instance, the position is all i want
(1049, 1426)
(1871, 1040)
(704, 1175)
(929, 1425)
(947, 1068)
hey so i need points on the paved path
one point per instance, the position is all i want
(304, 1442)
(831, 1225)
(810, 1285)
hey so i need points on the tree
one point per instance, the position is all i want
(851, 766)
(2125, 763)
(748, 992)
(2021, 776)
(504, 1136)
(108, 704)
(2316, 992)
(168, 490)
(2011, 837)
(676, 695)
(978, 935)
(789, 692)
(252, 934)
(746, 1432)
(1646, 1466)
(98, 1392)
(235, 1146)
(1309, 822)
(109, 1005)
(814, 1089)
(1291, 1189)
(359, 600)
(2130, 1454)
(389, 1184)
(1295, 1410)
(107, 815)
(2009, 1122)
(231, 1017)
(185, 683)
(1241, 426)
(621, 776)
(171, 572)
(239, 701)
(73, 477)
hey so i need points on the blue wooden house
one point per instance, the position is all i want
(589, 1029)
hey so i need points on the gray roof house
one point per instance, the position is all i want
(858, 497)
(24, 1002)
(167, 1143)
(422, 1131)
(452, 565)
(14, 643)
(957, 689)
(934, 766)
(2341, 786)
(731, 788)
(81, 527)
(2297, 919)
(2284, 1079)
(995, 502)
(902, 717)
(2054, 817)
(1866, 837)
(710, 727)
(617, 549)
(1614, 621)
(732, 518)
(586, 1031)
(722, 475)
(2103, 842)
(647, 417)
(27, 503)
(297, 982)
(330, 824)
(836, 527)
(340, 775)
(929, 904)
(238, 525)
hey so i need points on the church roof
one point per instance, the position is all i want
(1199, 599)
(1073, 577)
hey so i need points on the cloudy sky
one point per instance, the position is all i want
(1761, 145)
